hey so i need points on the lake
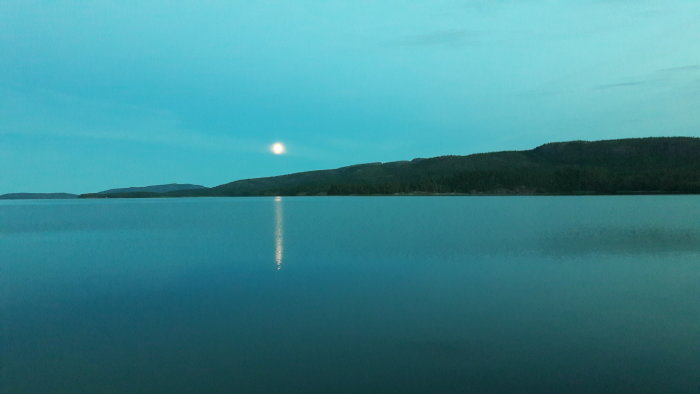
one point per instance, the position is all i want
(351, 294)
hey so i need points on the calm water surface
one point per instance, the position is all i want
(351, 294)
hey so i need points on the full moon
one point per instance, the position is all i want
(278, 148)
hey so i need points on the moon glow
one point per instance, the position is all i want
(278, 148)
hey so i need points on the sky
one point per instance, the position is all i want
(104, 94)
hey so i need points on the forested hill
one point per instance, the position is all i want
(170, 187)
(37, 196)
(646, 165)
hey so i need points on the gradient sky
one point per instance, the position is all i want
(103, 94)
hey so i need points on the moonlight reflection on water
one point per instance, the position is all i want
(279, 233)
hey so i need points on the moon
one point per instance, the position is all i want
(278, 148)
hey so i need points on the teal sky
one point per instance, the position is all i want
(103, 94)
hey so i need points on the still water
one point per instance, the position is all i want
(351, 294)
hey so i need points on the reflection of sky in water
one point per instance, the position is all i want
(621, 240)
(279, 233)
(414, 294)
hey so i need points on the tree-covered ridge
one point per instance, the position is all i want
(170, 187)
(37, 196)
(643, 165)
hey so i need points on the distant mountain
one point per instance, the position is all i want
(171, 187)
(37, 196)
(626, 166)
